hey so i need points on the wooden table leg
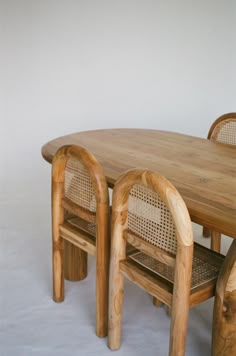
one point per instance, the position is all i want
(75, 262)
(224, 317)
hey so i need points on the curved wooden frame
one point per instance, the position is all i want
(102, 228)
(183, 269)
(189, 162)
(231, 115)
(216, 236)
(224, 319)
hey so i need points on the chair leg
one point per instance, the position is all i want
(157, 302)
(102, 271)
(215, 241)
(178, 335)
(180, 301)
(116, 283)
(102, 277)
(179, 320)
(58, 270)
(102, 303)
(206, 232)
(57, 242)
(115, 310)
(224, 316)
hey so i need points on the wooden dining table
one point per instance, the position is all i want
(203, 171)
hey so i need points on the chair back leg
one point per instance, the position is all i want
(102, 271)
(57, 243)
(215, 241)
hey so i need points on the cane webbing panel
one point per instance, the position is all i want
(150, 219)
(83, 225)
(78, 185)
(225, 132)
(202, 271)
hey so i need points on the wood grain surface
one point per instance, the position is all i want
(203, 171)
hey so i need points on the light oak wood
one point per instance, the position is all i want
(75, 259)
(116, 279)
(79, 211)
(157, 302)
(75, 262)
(202, 170)
(214, 132)
(229, 139)
(57, 241)
(148, 282)
(224, 322)
(180, 300)
(140, 244)
(215, 241)
(79, 229)
(180, 293)
(78, 238)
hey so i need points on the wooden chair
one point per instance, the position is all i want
(79, 187)
(222, 130)
(149, 213)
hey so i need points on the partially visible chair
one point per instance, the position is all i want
(79, 187)
(149, 213)
(222, 130)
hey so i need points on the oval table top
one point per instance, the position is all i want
(203, 171)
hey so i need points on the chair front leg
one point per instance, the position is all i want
(224, 316)
(57, 242)
(180, 304)
(116, 283)
(116, 292)
(58, 270)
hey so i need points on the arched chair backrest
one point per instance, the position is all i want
(82, 181)
(79, 187)
(223, 129)
(149, 213)
(152, 210)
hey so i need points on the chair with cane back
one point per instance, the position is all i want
(80, 188)
(149, 213)
(223, 130)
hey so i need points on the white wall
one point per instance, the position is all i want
(68, 65)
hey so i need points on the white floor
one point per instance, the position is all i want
(32, 324)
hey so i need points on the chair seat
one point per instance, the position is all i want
(156, 278)
(204, 269)
(83, 225)
(80, 233)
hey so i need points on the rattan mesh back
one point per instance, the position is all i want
(150, 219)
(225, 131)
(78, 185)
